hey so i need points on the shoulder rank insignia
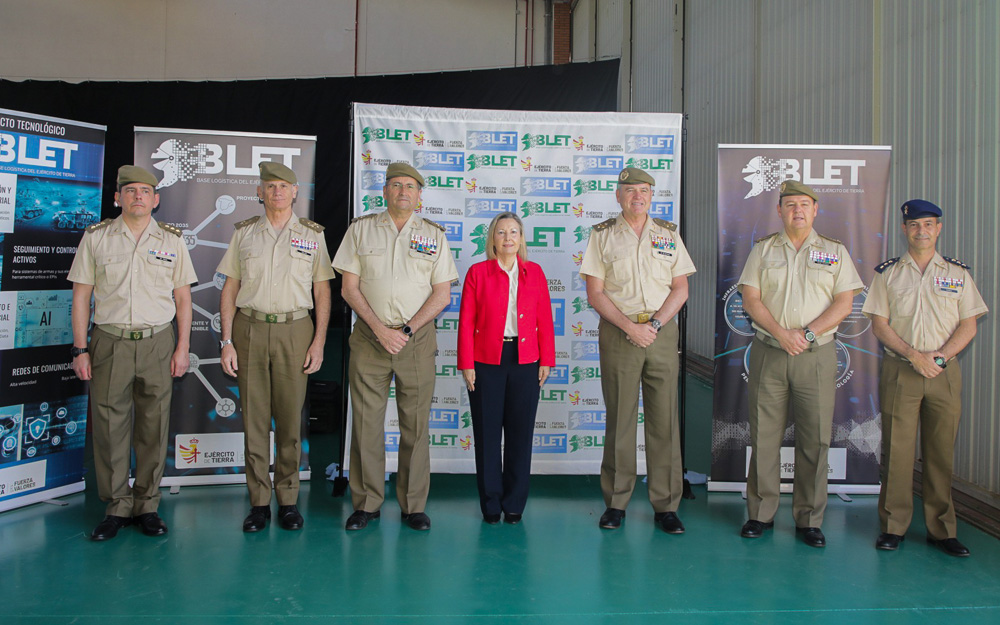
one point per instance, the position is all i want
(663, 223)
(435, 224)
(312, 225)
(174, 230)
(248, 222)
(99, 225)
(955, 261)
(822, 236)
(887, 264)
(604, 225)
(765, 238)
(363, 217)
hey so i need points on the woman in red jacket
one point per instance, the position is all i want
(506, 346)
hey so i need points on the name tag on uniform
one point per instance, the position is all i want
(305, 247)
(663, 245)
(424, 245)
(950, 285)
(168, 257)
(824, 258)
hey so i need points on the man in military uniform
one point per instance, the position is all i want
(636, 269)
(140, 275)
(923, 308)
(397, 270)
(277, 269)
(797, 286)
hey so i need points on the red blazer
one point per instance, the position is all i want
(484, 314)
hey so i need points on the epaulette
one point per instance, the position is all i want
(823, 236)
(248, 222)
(955, 261)
(435, 224)
(604, 225)
(663, 223)
(363, 217)
(762, 239)
(99, 225)
(887, 264)
(312, 225)
(174, 230)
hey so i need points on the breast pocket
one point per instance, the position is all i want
(302, 264)
(420, 265)
(619, 265)
(160, 269)
(372, 261)
(663, 264)
(114, 267)
(773, 274)
(251, 262)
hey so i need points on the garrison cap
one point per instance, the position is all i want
(128, 174)
(918, 209)
(269, 170)
(634, 175)
(403, 169)
(794, 187)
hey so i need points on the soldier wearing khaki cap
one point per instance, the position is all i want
(277, 269)
(397, 271)
(637, 271)
(797, 286)
(140, 275)
(923, 308)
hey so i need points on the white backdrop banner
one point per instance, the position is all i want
(558, 171)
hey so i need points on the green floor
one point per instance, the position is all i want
(556, 567)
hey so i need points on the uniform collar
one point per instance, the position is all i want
(118, 227)
(622, 225)
(937, 260)
(812, 240)
(414, 221)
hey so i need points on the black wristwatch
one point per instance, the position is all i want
(407, 330)
(941, 362)
(810, 335)
(76, 351)
(656, 324)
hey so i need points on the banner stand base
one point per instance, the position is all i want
(43, 496)
(832, 489)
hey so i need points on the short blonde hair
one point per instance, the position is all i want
(491, 252)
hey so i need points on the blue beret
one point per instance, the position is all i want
(918, 209)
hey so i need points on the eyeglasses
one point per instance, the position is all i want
(397, 186)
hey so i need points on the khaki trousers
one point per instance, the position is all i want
(624, 368)
(272, 383)
(910, 401)
(129, 374)
(809, 380)
(370, 371)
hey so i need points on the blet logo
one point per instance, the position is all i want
(372, 202)
(392, 441)
(552, 395)
(586, 373)
(529, 141)
(546, 187)
(492, 161)
(650, 164)
(439, 161)
(446, 324)
(370, 134)
(548, 444)
(181, 161)
(577, 442)
(767, 174)
(593, 186)
(649, 144)
(478, 236)
(492, 140)
(544, 235)
(582, 233)
(444, 182)
(597, 165)
(580, 304)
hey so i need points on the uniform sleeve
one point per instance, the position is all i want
(84, 267)
(444, 265)
(877, 302)
(971, 304)
(593, 263)
(346, 259)
(848, 278)
(184, 273)
(751, 270)
(230, 263)
(323, 268)
(684, 266)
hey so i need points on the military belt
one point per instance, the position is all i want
(132, 335)
(275, 317)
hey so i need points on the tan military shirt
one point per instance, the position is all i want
(798, 286)
(276, 270)
(637, 271)
(396, 269)
(924, 309)
(133, 280)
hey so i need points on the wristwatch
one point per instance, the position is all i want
(407, 330)
(810, 335)
(941, 362)
(224, 343)
(656, 324)
(76, 351)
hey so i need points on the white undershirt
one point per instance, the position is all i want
(510, 327)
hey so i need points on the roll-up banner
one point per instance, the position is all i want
(852, 183)
(50, 190)
(209, 183)
(558, 171)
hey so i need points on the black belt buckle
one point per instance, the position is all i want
(135, 335)
(271, 318)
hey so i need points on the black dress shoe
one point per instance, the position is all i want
(510, 517)
(290, 518)
(611, 519)
(108, 528)
(418, 521)
(669, 522)
(951, 546)
(492, 519)
(812, 536)
(359, 519)
(151, 524)
(755, 529)
(257, 519)
(888, 542)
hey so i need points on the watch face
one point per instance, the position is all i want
(939, 361)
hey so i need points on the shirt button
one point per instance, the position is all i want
(521, 316)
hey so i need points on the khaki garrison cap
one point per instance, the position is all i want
(403, 169)
(634, 175)
(269, 170)
(794, 187)
(128, 174)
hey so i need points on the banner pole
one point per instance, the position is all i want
(682, 318)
